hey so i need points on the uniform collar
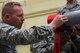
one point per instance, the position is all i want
(72, 6)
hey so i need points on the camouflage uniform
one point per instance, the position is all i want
(44, 46)
(11, 36)
(67, 8)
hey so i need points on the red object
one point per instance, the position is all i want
(57, 34)
(51, 17)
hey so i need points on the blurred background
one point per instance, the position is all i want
(35, 13)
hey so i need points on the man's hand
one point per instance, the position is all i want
(58, 21)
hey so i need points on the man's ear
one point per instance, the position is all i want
(7, 17)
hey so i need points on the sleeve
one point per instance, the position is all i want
(43, 48)
(27, 36)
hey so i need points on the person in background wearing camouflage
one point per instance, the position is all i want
(70, 47)
(70, 6)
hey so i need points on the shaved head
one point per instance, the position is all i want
(8, 7)
(12, 14)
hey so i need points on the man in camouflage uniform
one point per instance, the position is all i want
(11, 33)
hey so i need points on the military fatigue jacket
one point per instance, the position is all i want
(11, 36)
